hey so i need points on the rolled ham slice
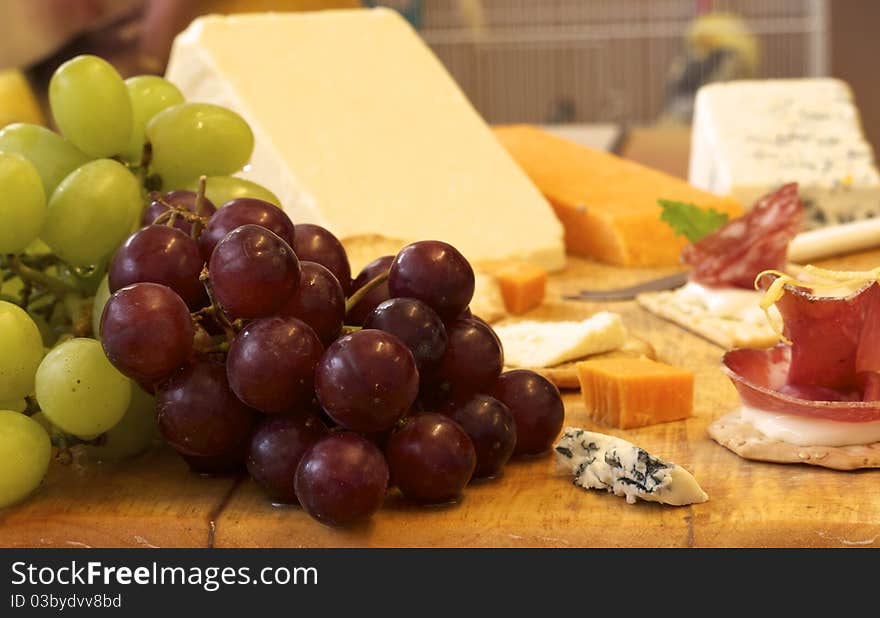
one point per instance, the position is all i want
(832, 367)
(760, 378)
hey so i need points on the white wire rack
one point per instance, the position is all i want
(602, 60)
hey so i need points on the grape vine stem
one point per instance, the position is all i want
(355, 298)
(54, 285)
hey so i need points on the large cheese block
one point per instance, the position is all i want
(360, 128)
(607, 204)
(749, 137)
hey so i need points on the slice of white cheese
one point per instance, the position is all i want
(751, 136)
(545, 344)
(600, 461)
(360, 128)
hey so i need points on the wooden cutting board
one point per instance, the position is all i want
(153, 500)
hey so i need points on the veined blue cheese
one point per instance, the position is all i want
(600, 461)
(750, 137)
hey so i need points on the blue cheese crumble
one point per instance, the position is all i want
(600, 461)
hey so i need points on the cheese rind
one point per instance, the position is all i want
(607, 204)
(545, 344)
(749, 137)
(600, 461)
(360, 128)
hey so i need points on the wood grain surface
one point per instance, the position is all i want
(153, 500)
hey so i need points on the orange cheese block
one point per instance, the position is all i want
(523, 285)
(634, 392)
(607, 204)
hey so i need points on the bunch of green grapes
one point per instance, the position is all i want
(68, 200)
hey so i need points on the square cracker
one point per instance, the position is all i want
(734, 433)
(696, 318)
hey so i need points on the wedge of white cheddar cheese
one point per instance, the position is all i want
(530, 343)
(749, 137)
(600, 461)
(359, 128)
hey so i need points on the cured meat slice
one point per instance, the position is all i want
(830, 370)
(760, 379)
(734, 254)
(826, 332)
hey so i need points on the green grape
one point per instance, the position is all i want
(91, 107)
(133, 434)
(221, 189)
(21, 350)
(150, 94)
(25, 451)
(52, 155)
(14, 405)
(79, 390)
(38, 247)
(22, 203)
(194, 139)
(12, 287)
(101, 298)
(91, 212)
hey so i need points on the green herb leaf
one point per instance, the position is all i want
(691, 221)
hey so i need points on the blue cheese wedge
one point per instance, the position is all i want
(546, 344)
(600, 461)
(751, 136)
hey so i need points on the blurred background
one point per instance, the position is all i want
(604, 64)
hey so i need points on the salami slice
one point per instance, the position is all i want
(734, 254)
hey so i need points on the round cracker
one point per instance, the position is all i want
(736, 434)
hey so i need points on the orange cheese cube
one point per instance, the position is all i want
(607, 204)
(522, 285)
(634, 392)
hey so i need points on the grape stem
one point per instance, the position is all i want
(355, 298)
(29, 275)
(199, 208)
(214, 309)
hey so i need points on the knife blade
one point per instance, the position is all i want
(669, 282)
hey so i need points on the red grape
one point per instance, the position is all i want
(536, 406)
(244, 211)
(431, 458)
(314, 243)
(146, 331)
(230, 462)
(342, 479)
(160, 254)
(276, 448)
(436, 273)
(414, 323)
(490, 426)
(271, 364)
(367, 381)
(253, 272)
(319, 302)
(198, 413)
(371, 300)
(181, 199)
(473, 359)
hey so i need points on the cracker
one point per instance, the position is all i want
(564, 376)
(696, 318)
(734, 433)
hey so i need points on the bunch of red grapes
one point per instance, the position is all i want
(264, 353)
